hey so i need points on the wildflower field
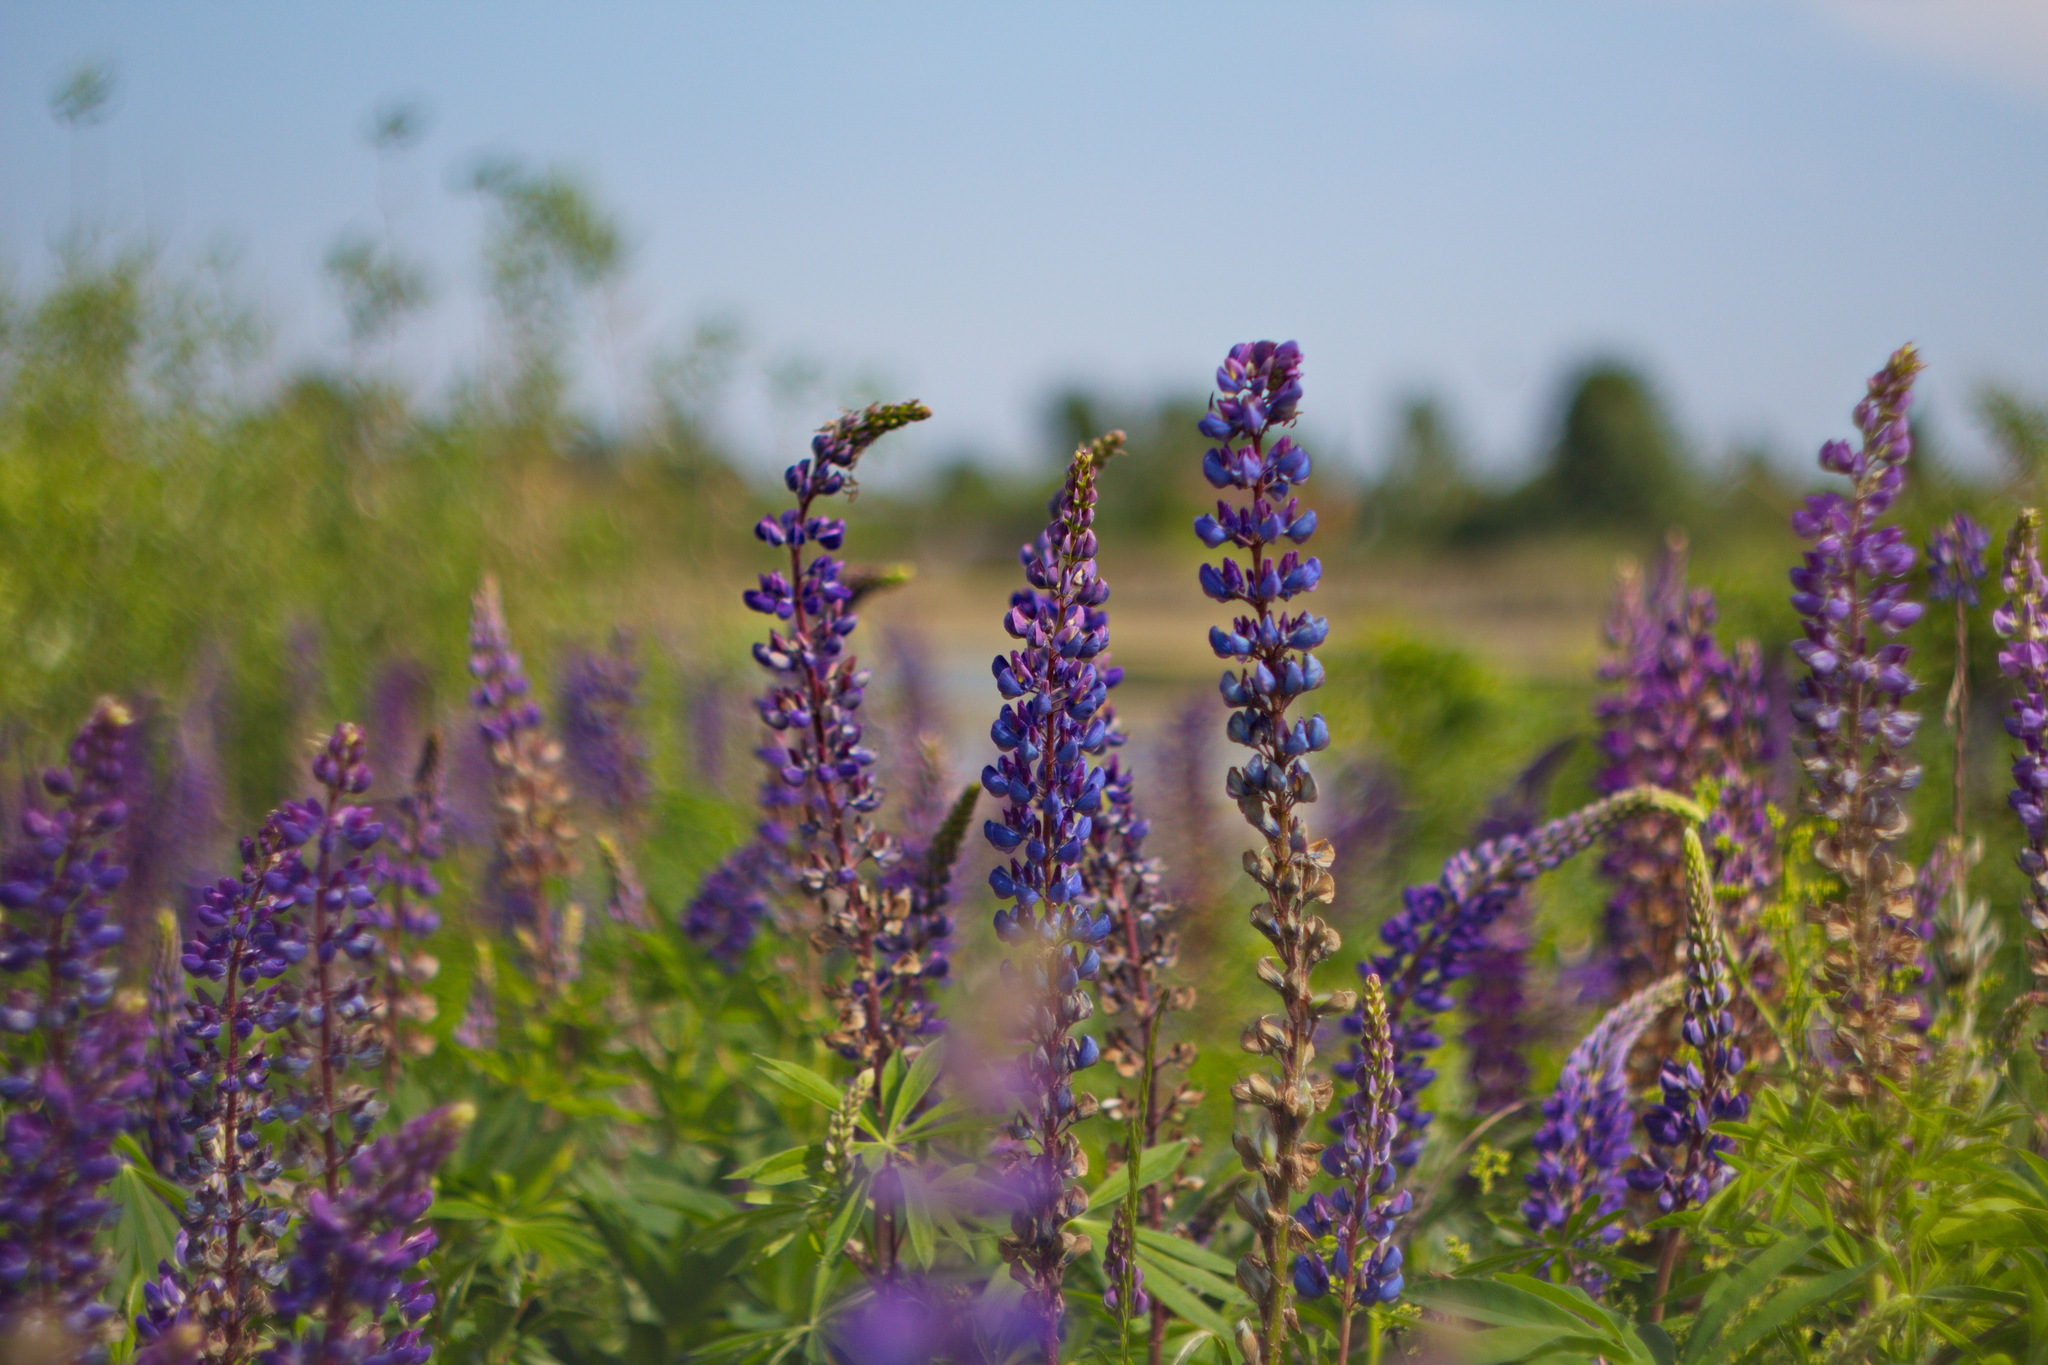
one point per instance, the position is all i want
(466, 898)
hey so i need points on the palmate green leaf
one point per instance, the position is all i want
(1495, 1302)
(1789, 1305)
(781, 1168)
(1180, 1249)
(1732, 1290)
(802, 1081)
(145, 1229)
(1185, 1303)
(924, 1072)
(917, 1218)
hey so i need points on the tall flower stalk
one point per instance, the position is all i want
(1955, 566)
(601, 741)
(820, 772)
(1851, 593)
(406, 913)
(1053, 721)
(68, 1092)
(1270, 664)
(528, 793)
(2023, 622)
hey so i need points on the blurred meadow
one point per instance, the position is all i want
(250, 541)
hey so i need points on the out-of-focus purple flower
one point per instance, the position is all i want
(821, 774)
(169, 1100)
(1584, 1140)
(1269, 653)
(405, 913)
(708, 713)
(400, 716)
(2023, 622)
(1432, 938)
(1497, 1001)
(916, 1320)
(533, 831)
(607, 756)
(1352, 1231)
(732, 901)
(1053, 721)
(1850, 592)
(1955, 559)
(350, 1295)
(1120, 1269)
(73, 1094)
(920, 730)
(1185, 767)
(174, 830)
(1686, 1163)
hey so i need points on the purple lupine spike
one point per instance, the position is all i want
(1850, 592)
(75, 1093)
(1055, 687)
(1584, 1141)
(1120, 1269)
(2023, 623)
(607, 756)
(169, 1100)
(1686, 1163)
(708, 716)
(920, 730)
(247, 933)
(531, 798)
(400, 715)
(1270, 658)
(1186, 765)
(174, 830)
(405, 865)
(1497, 1002)
(337, 1032)
(1431, 939)
(350, 1294)
(820, 772)
(732, 901)
(1955, 559)
(1352, 1249)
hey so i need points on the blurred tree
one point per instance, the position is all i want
(83, 99)
(1615, 463)
(377, 288)
(2019, 429)
(1426, 487)
(1155, 488)
(549, 249)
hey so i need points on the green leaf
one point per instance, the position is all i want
(917, 1217)
(1662, 1348)
(1789, 1305)
(145, 1230)
(1493, 1302)
(1187, 1305)
(1180, 1249)
(780, 1169)
(923, 1073)
(1154, 1165)
(1730, 1291)
(801, 1080)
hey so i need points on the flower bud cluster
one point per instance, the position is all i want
(820, 772)
(1054, 719)
(529, 794)
(1686, 1164)
(1955, 559)
(1584, 1141)
(1352, 1230)
(2023, 622)
(68, 1100)
(1850, 592)
(1269, 649)
(1431, 940)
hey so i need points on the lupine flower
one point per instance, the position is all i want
(1497, 1001)
(913, 949)
(532, 828)
(1686, 712)
(400, 716)
(1186, 767)
(708, 714)
(1584, 1141)
(72, 1096)
(1054, 689)
(1268, 651)
(1352, 1231)
(2023, 622)
(1851, 593)
(1686, 1165)
(1431, 939)
(920, 729)
(406, 913)
(350, 1279)
(732, 900)
(1364, 813)
(607, 757)
(169, 1100)
(1955, 559)
(248, 932)
(174, 827)
(337, 1032)
(819, 770)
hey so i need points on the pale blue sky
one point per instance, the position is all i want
(972, 202)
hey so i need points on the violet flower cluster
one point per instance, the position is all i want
(405, 913)
(1686, 1163)
(1431, 940)
(350, 1280)
(1352, 1230)
(2023, 622)
(1850, 592)
(816, 754)
(529, 795)
(607, 757)
(1955, 560)
(1053, 721)
(65, 1106)
(1268, 650)
(1584, 1142)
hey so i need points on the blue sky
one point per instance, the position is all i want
(974, 202)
